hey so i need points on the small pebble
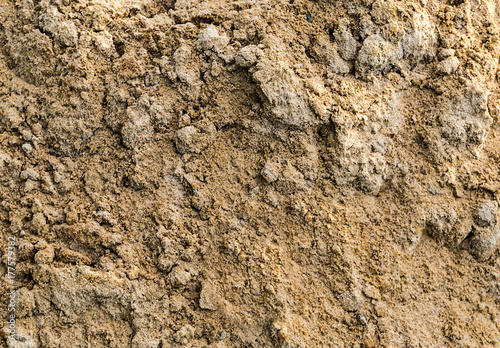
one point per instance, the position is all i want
(363, 318)
(189, 140)
(27, 148)
(248, 56)
(44, 256)
(29, 174)
(487, 212)
(448, 66)
(271, 171)
(484, 242)
(26, 135)
(208, 297)
(371, 292)
(185, 334)
(37, 128)
(446, 53)
(179, 277)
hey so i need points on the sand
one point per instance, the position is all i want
(249, 173)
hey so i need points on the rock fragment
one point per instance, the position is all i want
(446, 53)
(371, 292)
(465, 118)
(27, 148)
(448, 66)
(209, 39)
(39, 223)
(248, 56)
(185, 334)
(351, 301)
(190, 140)
(291, 180)
(377, 56)
(104, 43)
(188, 71)
(487, 213)
(12, 118)
(348, 46)
(26, 303)
(208, 297)
(271, 171)
(284, 92)
(484, 242)
(137, 129)
(326, 53)
(363, 318)
(64, 30)
(45, 255)
(179, 276)
(30, 173)
(420, 43)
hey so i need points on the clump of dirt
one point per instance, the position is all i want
(254, 173)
